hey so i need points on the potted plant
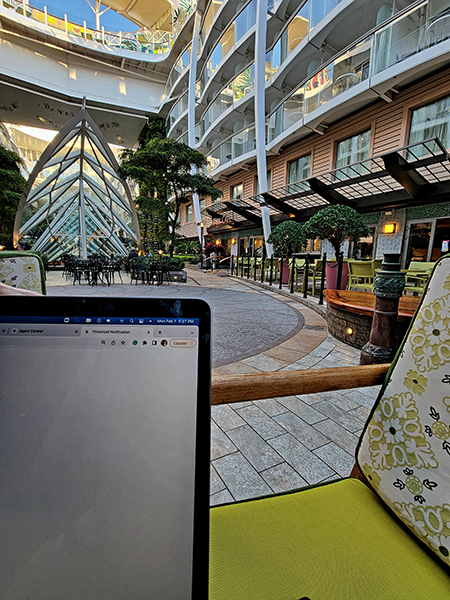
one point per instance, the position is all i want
(287, 237)
(336, 223)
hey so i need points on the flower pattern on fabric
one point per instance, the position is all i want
(406, 445)
(21, 272)
(415, 382)
(396, 437)
(430, 523)
(430, 336)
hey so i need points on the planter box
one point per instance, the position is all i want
(178, 276)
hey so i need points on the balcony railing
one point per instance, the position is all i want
(405, 36)
(237, 89)
(309, 15)
(178, 109)
(232, 148)
(143, 41)
(235, 32)
(179, 68)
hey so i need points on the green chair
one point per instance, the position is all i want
(417, 276)
(23, 270)
(360, 275)
(389, 539)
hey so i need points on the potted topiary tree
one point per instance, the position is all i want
(336, 223)
(287, 237)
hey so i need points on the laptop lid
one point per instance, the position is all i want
(104, 448)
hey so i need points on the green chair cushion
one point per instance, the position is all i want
(405, 449)
(330, 542)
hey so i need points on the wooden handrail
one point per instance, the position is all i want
(257, 386)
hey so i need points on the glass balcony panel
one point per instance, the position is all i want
(319, 10)
(244, 83)
(227, 41)
(245, 20)
(293, 108)
(352, 67)
(408, 35)
(273, 60)
(297, 29)
(318, 89)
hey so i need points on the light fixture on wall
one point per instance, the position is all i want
(390, 228)
(233, 241)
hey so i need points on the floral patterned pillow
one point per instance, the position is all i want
(21, 271)
(404, 451)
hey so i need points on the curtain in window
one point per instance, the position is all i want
(431, 121)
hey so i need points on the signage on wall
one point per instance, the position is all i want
(445, 245)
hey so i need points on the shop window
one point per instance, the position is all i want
(237, 192)
(189, 213)
(299, 169)
(365, 248)
(256, 246)
(431, 121)
(428, 240)
(350, 151)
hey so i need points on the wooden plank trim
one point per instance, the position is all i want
(257, 386)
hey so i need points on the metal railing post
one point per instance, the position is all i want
(254, 268)
(339, 270)
(305, 277)
(292, 273)
(322, 277)
(281, 263)
(271, 270)
(248, 266)
(263, 264)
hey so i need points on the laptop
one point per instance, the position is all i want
(104, 448)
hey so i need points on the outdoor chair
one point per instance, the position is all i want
(23, 270)
(361, 275)
(381, 537)
(314, 275)
(416, 276)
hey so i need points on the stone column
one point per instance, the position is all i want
(388, 288)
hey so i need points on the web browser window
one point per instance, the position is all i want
(99, 478)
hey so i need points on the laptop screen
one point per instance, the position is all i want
(104, 448)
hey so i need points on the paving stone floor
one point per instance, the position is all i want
(277, 444)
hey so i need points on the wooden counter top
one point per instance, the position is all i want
(363, 303)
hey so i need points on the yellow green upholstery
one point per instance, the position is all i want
(417, 276)
(329, 542)
(344, 540)
(405, 451)
(22, 270)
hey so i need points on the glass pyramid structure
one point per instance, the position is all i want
(75, 201)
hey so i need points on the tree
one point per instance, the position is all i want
(287, 237)
(163, 168)
(336, 223)
(11, 187)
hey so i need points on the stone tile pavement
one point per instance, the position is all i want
(278, 444)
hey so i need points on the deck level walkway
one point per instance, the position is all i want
(277, 444)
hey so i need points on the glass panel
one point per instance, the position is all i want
(237, 192)
(350, 151)
(431, 121)
(293, 108)
(441, 242)
(419, 241)
(299, 169)
(319, 10)
(318, 89)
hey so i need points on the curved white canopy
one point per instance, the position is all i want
(144, 13)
